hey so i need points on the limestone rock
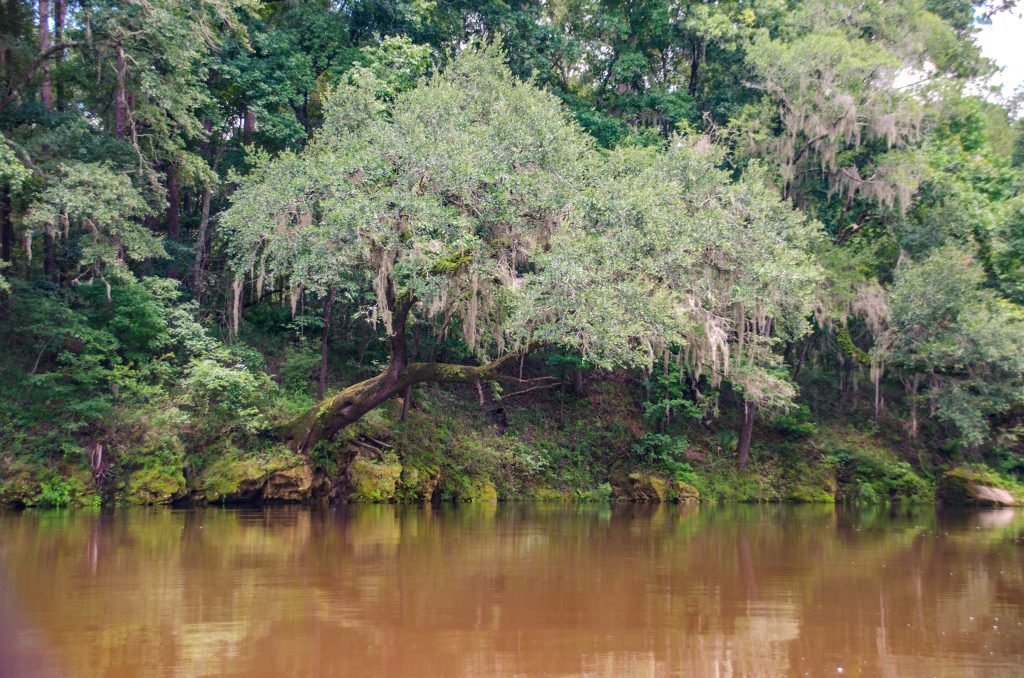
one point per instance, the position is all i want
(968, 486)
(637, 486)
(291, 484)
(685, 492)
(235, 478)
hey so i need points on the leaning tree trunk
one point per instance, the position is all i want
(329, 417)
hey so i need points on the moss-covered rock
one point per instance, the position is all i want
(814, 488)
(19, 484)
(637, 486)
(155, 485)
(290, 484)
(373, 481)
(973, 486)
(237, 477)
(479, 491)
(417, 483)
(683, 492)
(23, 484)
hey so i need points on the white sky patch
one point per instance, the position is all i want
(1003, 42)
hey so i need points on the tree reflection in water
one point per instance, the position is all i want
(514, 589)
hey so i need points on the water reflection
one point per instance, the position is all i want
(512, 590)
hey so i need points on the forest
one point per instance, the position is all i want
(562, 250)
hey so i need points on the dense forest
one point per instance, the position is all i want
(407, 250)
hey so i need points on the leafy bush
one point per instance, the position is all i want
(301, 361)
(870, 476)
(795, 424)
(662, 452)
(55, 492)
(229, 397)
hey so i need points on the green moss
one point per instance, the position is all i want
(683, 492)
(19, 484)
(470, 490)
(549, 494)
(417, 484)
(373, 482)
(238, 476)
(479, 491)
(659, 487)
(638, 486)
(56, 485)
(155, 485)
(452, 262)
(809, 494)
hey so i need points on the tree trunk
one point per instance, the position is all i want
(121, 96)
(747, 432)
(60, 13)
(578, 387)
(406, 403)
(697, 51)
(200, 262)
(912, 385)
(6, 225)
(329, 417)
(322, 383)
(173, 202)
(50, 257)
(199, 266)
(45, 87)
(248, 124)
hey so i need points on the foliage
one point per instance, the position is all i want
(677, 211)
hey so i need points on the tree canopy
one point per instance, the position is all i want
(744, 210)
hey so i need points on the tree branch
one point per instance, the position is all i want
(14, 88)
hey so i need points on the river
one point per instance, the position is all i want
(512, 590)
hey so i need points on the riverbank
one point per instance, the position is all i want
(558, 446)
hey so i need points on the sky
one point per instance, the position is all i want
(1003, 42)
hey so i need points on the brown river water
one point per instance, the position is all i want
(512, 590)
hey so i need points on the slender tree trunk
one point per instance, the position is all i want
(6, 225)
(200, 262)
(325, 335)
(805, 345)
(59, 19)
(406, 403)
(173, 202)
(50, 257)
(746, 432)
(578, 387)
(199, 266)
(912, 385)
(248, 124)
(697, 51)
(120, 95)
(45, 87)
